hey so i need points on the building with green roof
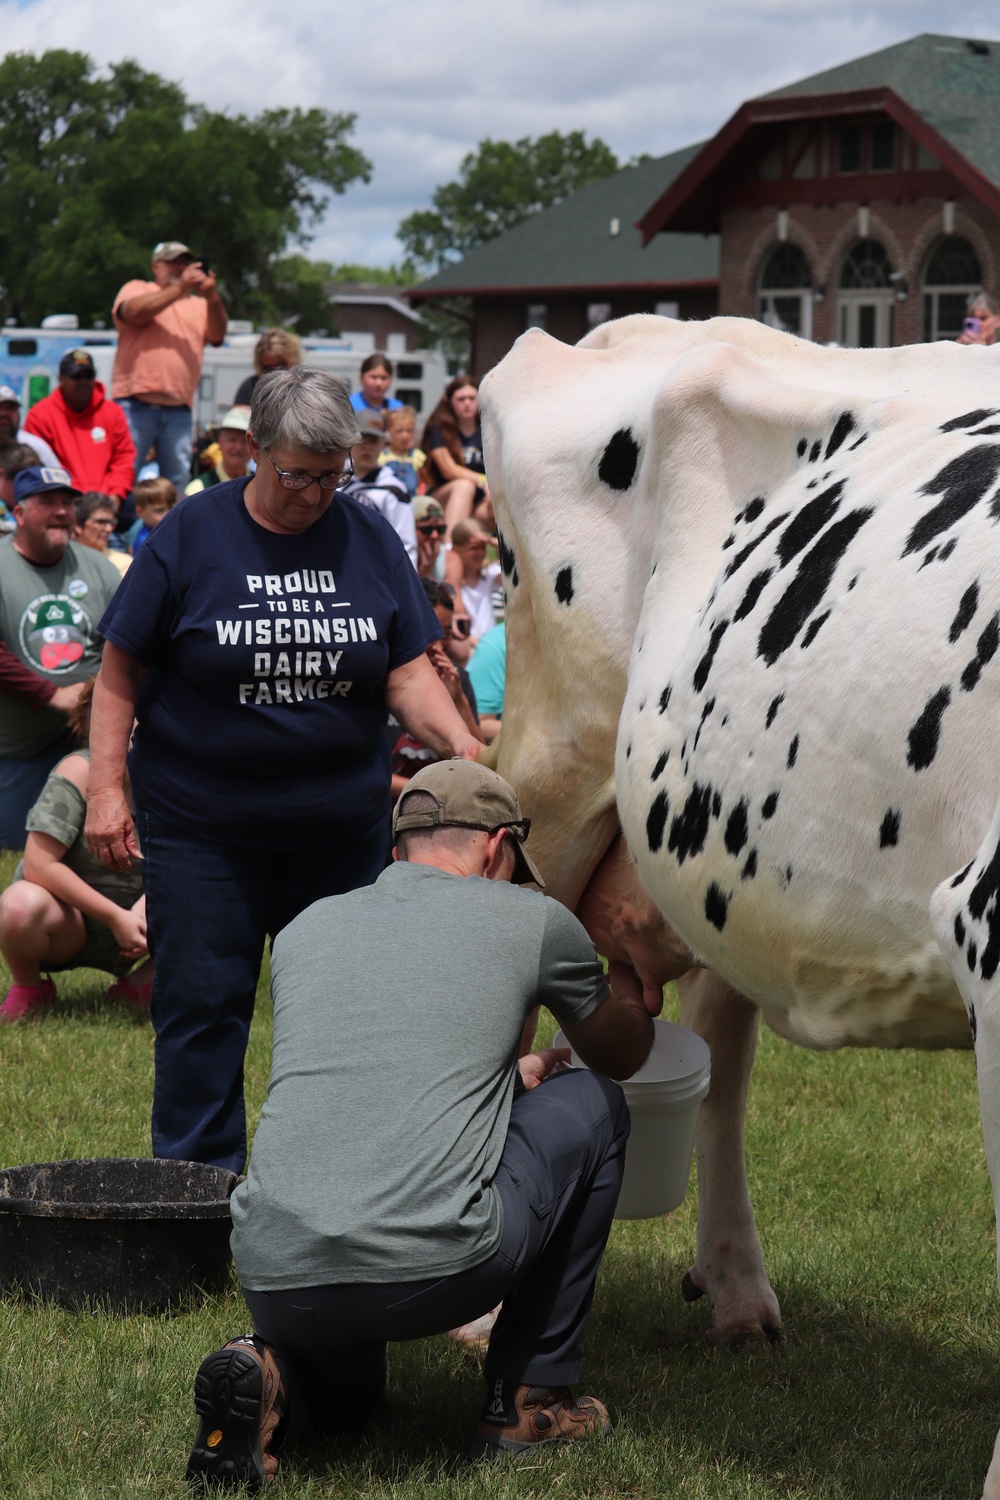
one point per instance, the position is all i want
(860, 205)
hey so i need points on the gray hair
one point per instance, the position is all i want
(982, 299)
(303, 408)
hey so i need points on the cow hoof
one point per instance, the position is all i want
(737, 1336)
(690, 1290)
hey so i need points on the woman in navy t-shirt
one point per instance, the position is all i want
(260, 639)
(453, 442)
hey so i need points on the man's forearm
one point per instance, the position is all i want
(218, 318)
(22, 684)
(143, 307)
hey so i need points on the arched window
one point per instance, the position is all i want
(786, 291)
(866, 297)
(951, 276)
(866, 266)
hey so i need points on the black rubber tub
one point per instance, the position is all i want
(124, 1234)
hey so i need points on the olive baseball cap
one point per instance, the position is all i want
(170, 250)
(469, 795)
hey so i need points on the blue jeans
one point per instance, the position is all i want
(21, 783)
(209, 908)
(165, 429)
(558, 1180)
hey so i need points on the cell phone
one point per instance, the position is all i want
(972, 325)
(206, 264)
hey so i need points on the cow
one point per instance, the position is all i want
(753, 631)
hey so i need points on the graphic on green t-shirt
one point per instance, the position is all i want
(53, 632)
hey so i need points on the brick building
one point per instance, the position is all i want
(861, 205)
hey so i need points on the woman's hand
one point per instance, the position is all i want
(129, 929)
(445, 669)
(110, 831)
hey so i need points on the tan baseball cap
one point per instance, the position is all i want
(170, 250)
(469, 795)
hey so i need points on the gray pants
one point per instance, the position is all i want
(558, 1180)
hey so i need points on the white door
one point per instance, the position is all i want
(866, 319)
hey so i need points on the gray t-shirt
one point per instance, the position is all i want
(49, 618)
(397, 1014)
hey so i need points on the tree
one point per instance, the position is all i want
(500, 184)
(95, 170)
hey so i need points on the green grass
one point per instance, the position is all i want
(874, 1208)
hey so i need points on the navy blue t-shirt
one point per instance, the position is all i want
(261, 721)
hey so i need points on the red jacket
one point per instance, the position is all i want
(93, 444)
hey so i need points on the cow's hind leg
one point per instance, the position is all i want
(965, 912)
(729, 1266)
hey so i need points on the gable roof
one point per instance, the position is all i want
(571, 246)
(943, 90)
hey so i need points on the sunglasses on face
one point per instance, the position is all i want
(461, 626)
(432, 529)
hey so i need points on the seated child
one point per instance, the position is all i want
(152, 499)
(399, 454)
(65, 909)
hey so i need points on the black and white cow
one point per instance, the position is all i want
(753, 622)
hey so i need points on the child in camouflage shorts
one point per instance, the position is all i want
(65, 909)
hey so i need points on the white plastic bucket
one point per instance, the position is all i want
(663, 1099)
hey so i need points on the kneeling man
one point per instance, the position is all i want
(407, 1173)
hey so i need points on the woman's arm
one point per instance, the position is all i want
(420, 701)
(449, 468)
(110, 830)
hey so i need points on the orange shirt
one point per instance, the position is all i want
(160, 361)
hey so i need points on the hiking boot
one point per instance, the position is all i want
(27, 999)
(240, 1400)
(516, 1418)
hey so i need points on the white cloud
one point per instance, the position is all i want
(428, 80)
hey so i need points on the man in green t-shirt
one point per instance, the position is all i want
(408, 1172)
(53, 593)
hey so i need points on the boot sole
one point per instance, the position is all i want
(497, 1449)
(228, 1395)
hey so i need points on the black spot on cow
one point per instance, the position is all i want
(628, 750)
(959, 931)
(793, 751)
(716, 804)
(947, 549)
(656, 821)
(922, 740)
(665, 698)
(749, 870)
(967, 607)
(723, 721)
(844, 427)
(812, 579)
(689, 828)
(642, 705)
(769, 805)
(963, 482)
(754, 509)
(991, 953)
(730, 539)
(716, 906)
(703, 668)
(815, 626)
(737, 828)
(862, 439)
(788, 875)
(931, 555)
(809, 523)
(801, 446)
(812, 484)
(815, 450)
(684, 749)
(772, 711)
(754, 543)
(972, 1021)
(508, 561)
(709, 706)
(990, 430)
(969, 420)
(564, 585)
(888, 834)
(970, 958)
(619, 461)
(661, 765)
(957, 881)
(853, 582)
(755, 588)
(986, 649)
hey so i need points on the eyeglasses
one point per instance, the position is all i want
(333, 479)
(100, 521)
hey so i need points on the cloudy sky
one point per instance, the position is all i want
(428, 79)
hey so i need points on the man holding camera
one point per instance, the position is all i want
(163, 326)
(409, 1172)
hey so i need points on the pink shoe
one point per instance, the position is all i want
(133, 994)
(27, 999)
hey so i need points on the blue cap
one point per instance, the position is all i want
(36, 481)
